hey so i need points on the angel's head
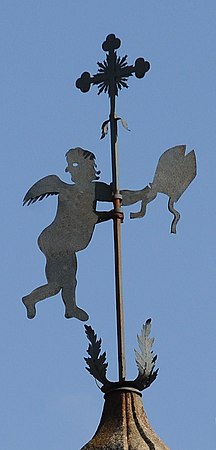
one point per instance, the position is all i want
(81, 165)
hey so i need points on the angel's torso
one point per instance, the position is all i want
(72, 228)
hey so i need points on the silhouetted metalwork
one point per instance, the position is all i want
(71, 230)
(111, 77)
(174, 172)
(114, 71)
(145, 358)
(123, 423)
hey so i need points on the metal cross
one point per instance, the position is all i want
(111, 77)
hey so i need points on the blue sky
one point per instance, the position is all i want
(48, 400)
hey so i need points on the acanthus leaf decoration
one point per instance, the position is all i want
(145, 358)
(96, 362)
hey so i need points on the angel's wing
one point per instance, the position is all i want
(49, 185)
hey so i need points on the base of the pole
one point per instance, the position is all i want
(124, 424)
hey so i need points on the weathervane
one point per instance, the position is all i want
(77, 215)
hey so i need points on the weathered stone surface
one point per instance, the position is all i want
(124, 425)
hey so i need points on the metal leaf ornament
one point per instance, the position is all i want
(104, 129)
(104, 126)
(145, 358)
(124, 124)
(97, 365)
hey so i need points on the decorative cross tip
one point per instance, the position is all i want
(114, 71)
(111, 43)
(84, 82)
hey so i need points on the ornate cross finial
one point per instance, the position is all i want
(174, 172)
(111, 77)
(114, 71)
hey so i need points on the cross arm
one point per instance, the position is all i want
(140, 68)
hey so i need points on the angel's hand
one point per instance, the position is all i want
(103, 216)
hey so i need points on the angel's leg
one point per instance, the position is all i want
(71, 308)
(69, 283)
(40, 293)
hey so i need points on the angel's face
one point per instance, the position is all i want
(81, 166)
(74, 169)
(79, 172)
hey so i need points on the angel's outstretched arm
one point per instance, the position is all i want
(146, 195)
(49, 185)
(104, 193)
(131, 197)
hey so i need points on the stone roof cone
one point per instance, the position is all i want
(124, 424)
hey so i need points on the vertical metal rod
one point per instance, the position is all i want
(117, 242)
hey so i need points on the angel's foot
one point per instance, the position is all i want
(76, 312)
(30, 307)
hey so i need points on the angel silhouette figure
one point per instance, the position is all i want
(76, 216)
(71, 230)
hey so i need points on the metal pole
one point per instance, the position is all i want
(117, 241)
